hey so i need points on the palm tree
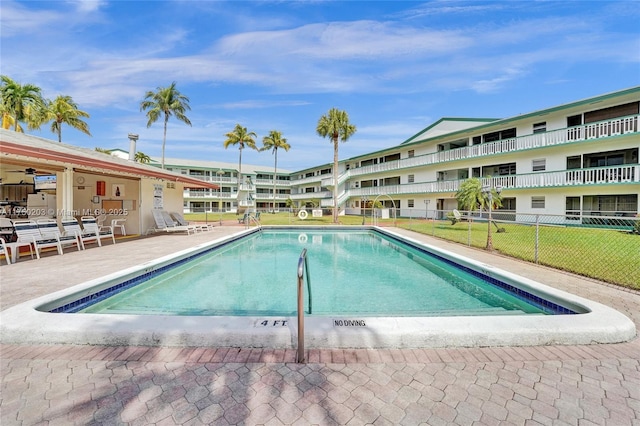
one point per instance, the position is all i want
(102, 150)
(8, 122)
(336, 126)
(64, 110)
(471, 196)
(142, 158)
(241, 137)
(20, 102)
(167, 100)
(275, 141)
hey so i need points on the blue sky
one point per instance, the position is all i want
(394, 66)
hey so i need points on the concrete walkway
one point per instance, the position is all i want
(550, 385)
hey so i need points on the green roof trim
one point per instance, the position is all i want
(574, 104)
(409, 141)
(443, 119)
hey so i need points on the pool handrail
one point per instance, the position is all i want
(303, 270)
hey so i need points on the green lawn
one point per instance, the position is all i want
(607, 255)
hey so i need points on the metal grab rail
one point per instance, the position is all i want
(303, 271)
(251, 218)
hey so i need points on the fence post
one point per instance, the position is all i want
(433, 223)
(469, 228)
(537, 238)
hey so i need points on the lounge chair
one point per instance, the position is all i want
(49, 229)
(170, 226)
(179, 219)
(248, 217)
(5, 251)
(71, 226)
(6, 229)
(90, 226)
(244, 218)
(28, 232)
(171, 223)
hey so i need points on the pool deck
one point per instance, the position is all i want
(71, 384)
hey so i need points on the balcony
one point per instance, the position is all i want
(264, 196)
(212, 194)
(591, 131)
(617, 175)
(307, 180)
(269, 182)
(310, 195)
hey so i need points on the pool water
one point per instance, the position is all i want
(351, 273)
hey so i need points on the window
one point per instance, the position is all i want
(495, 136)
(574, 162)
(611, 112)
(390, 181)
(499, 169)
(539, 165)
(410, 178)
(508, 204)
(410, 203)
(572, 208)
(574, 120)
(537, 202)
(540, 127)
(411, 153)
(391, 157)
(508, 133)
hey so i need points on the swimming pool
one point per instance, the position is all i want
(32, 322)
(352, 273)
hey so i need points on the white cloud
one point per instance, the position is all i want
(87, 6)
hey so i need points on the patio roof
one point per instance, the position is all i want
(23, 150)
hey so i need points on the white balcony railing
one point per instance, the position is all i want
(307, 180)
(212, 194)
(269, 182)
(623, 174)
(602, 129)
(265, 196)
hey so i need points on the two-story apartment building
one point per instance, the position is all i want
(575, 159)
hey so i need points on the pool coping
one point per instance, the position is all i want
(24, 323)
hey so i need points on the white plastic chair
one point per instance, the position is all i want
(89, 225)
(118, 224)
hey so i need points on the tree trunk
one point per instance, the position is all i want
(275, 172)
(164, 138)
(335, 179)
(240, 168)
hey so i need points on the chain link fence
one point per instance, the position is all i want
(606, 248)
